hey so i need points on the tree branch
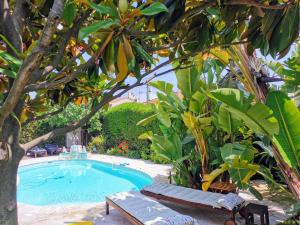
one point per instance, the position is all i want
(44, 116)
(109, 96)
(49, 84)
(32, 61)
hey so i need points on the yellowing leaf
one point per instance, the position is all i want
(72, 41)
(209, 178)
(85, 100)
(163, 53)
(122, 63)
(78, 101)
(220, 54)
(151, 25)
(75, 51)
(199, 61)
(128, 49)
(189, 120)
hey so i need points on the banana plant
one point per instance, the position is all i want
(238, 161)
(256, 116)
(199, 127)
(288, 138)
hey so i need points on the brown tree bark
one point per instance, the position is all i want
(10, 155)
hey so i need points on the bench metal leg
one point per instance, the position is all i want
(107, 208)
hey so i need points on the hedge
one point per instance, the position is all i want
(119, 123)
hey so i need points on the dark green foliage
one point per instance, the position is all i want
(70, 114)
(99, 143)
(134, 154)
(119, 123)
(38, 128)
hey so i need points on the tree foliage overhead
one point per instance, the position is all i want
(83, 51)
(97, 44)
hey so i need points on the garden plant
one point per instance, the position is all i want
(55, 52)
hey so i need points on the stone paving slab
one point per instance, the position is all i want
(64, 214)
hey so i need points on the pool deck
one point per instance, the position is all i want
(64, 214)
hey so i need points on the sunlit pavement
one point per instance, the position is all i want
(62, 214)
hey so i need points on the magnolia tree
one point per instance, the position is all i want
(54, 52)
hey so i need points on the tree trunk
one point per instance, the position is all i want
(8, 202)
(8, 186)
(10, 155)
(291, 177)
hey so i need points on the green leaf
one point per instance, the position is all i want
(147, 120)
(162, 86)
(232, 150)
(163, 116)
(257, 117)
(169, 148)
(255, 192)
(103, 9)
(227, 121)
(8, 73)
(286, 31)
(188, 81)
(13, 63)
(197, 101)
(142, 53)
(154, 9)
(10, 45)
(69, 13)
(288, 116)
(103, 24)
(146, 136)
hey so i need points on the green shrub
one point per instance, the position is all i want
(120, 123)
(134, 154)
(99, 143)
(37, 128)
(70, 114)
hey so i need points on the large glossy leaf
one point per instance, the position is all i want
(162, 86)
(122, 63)
(288, 116)
(188, 81)
(69, 12)
(189, 120)
(154, 9)
(227, 121)
(209, 178)
(232, 150)
(142, 53)
(104, 9)
(257, 116)
(163, 116)
(147, 120)
(13, 62)
(286, 31)
(197, 101)
(103, 24)
(168, 148)
(8, 73)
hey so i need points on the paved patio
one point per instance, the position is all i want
(62, 214)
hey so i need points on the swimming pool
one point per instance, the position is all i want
(77, 181)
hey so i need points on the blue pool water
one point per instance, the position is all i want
(78, 181)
